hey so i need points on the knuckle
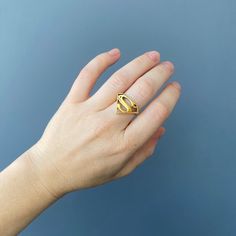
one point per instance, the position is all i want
(117, 81)
(161, 112)
(129, 145)
(94, 66)
(160, 69)
(102, 127)
(126, 144)
(119, 148)
(100, 60)
(98, 63)
(99, 130)
(145, 88)
(85, 72)
(141, 60)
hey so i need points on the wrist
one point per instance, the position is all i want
(44, 175)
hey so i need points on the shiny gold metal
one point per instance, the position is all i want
(125, 105)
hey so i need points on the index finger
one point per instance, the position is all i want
(124, 78)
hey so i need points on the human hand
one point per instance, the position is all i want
(86, 143)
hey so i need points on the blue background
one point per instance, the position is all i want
(188, 186)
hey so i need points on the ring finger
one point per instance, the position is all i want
(144, 89)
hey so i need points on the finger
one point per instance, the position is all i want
(159, 133)
(152, 117)
(144, 89)
(124, 78)
(89, 74)
(142, 153)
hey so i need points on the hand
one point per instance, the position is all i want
(86, 143)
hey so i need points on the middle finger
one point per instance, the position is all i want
(124, 78)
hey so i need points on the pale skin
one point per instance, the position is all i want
(86, 143)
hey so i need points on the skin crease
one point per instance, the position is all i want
(86, 143)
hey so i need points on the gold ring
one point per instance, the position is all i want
(125, 105)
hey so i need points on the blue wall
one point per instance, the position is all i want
(188, 186)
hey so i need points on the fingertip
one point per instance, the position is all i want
(169, 65)
(176, 85)
(115, 52)
(153, 55)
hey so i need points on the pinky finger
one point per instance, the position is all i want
(142, 154)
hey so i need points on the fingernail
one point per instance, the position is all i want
(169, 65)
(153, 55)
(114, 51)
(177, 85)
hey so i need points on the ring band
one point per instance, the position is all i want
(125, 105)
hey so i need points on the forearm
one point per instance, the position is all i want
(85, 143)
(22, 196)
